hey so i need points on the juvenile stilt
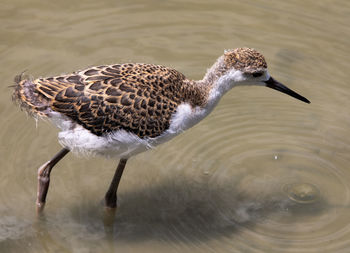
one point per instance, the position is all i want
(44, 178)
(111, 194)
(121, 110)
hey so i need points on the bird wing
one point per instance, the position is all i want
(139, 98)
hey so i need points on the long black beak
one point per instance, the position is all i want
(273, 84)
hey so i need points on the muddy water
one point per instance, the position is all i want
(263, 173)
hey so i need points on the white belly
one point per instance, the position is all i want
(121, 144)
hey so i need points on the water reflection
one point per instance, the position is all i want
(178, 210)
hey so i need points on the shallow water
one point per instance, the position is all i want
(263, 173)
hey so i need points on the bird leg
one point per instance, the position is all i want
(111, 195)
(44, 178)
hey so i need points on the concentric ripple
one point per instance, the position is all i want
(269, 178)
(303, 193)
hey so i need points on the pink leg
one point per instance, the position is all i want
(44, 179)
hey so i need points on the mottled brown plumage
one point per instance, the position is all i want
(139, 98)
(245, 59)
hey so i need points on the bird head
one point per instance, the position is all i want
(246, 66)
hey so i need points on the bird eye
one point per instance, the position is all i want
(257, 74)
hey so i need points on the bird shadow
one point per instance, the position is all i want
(181, 209)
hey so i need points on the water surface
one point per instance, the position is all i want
(237, 182)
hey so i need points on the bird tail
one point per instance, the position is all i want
(27, 97)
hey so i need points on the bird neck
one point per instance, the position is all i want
(217, 81)
(207, 92)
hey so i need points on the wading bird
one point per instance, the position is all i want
(120, 110)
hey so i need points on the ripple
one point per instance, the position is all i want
(304, 193)
(269, 176)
